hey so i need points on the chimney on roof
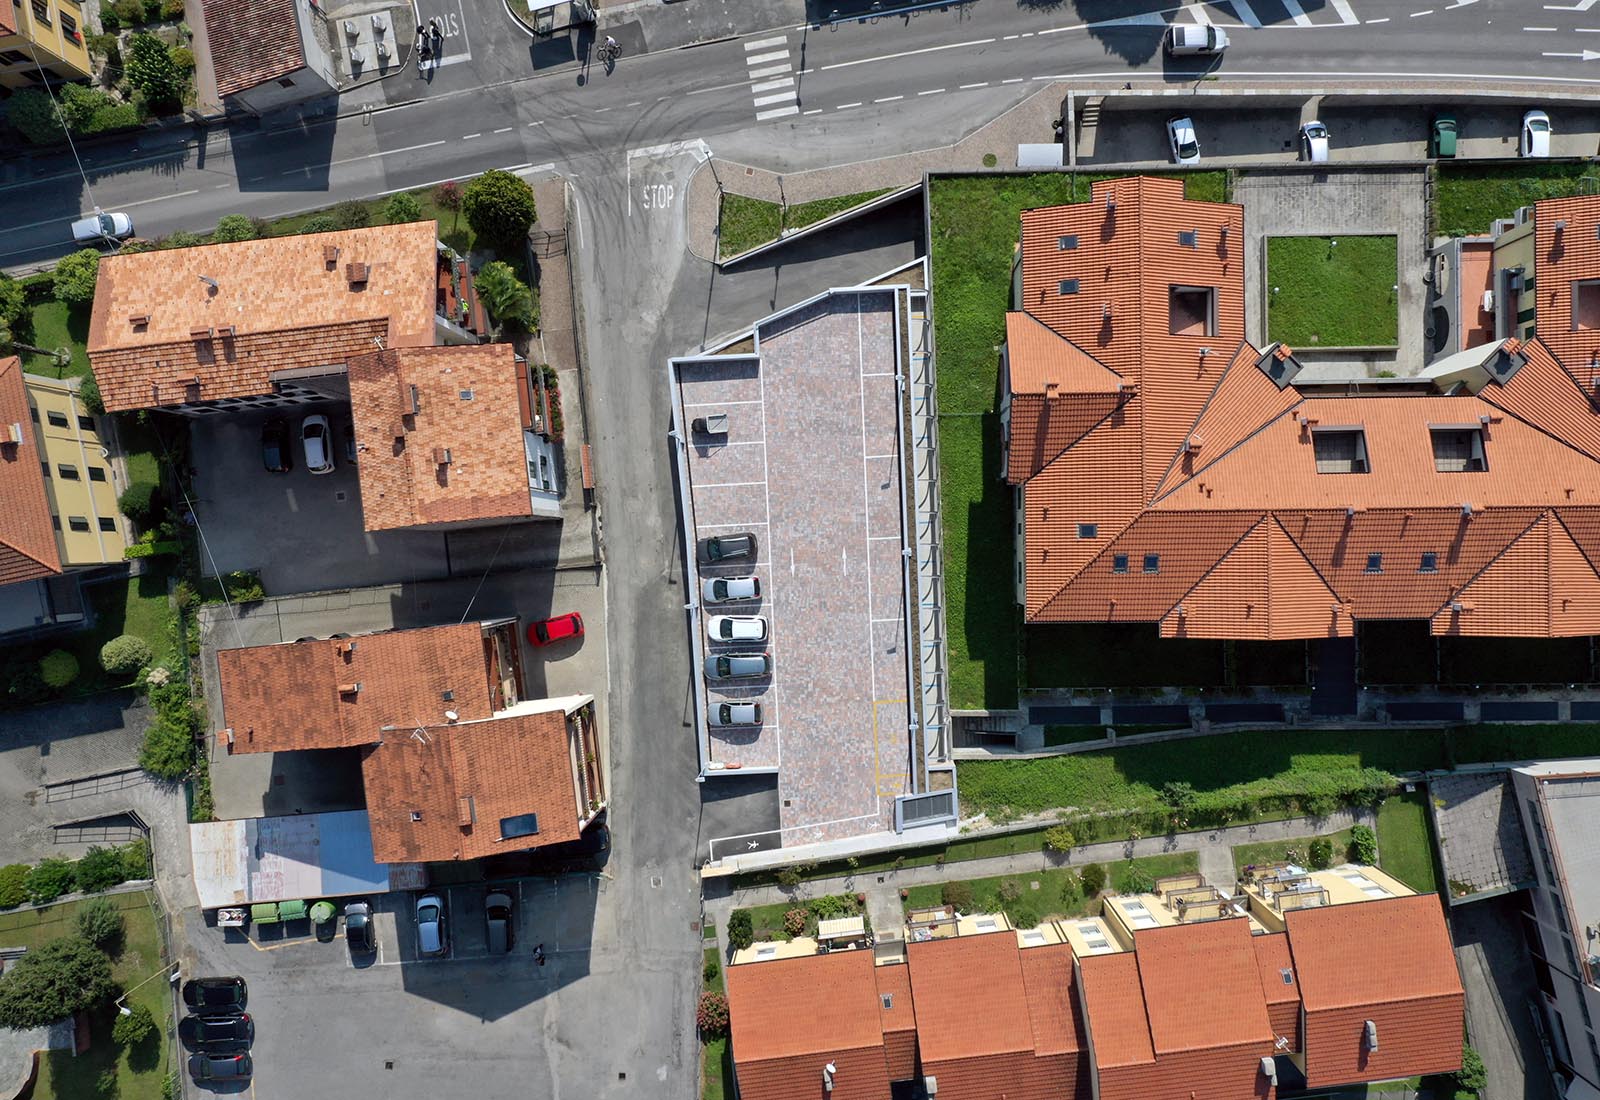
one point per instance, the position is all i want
(466, 811)
(347, 649)
(441, 456)
(14, 434)
(350, 689)
(330, 255)
(1561, 224)
(1051, 389)
(139, 320)
(1458, 606)
(1369, 1035)
(357, 272)
(1468, 510)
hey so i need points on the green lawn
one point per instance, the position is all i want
(1044, 895)
(1332, 291)
(980, 606)
(453, 228)
(56, 325)
(716, 1064)
(1405, 841)
(1490, 743)
(1467, 198)
(1261, 765)
(766, 921)
(1296, 850)
(809, 213)
(140, 1072)
(746, 222)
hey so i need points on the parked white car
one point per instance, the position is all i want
(734, 714)
(1192, 38)
(317, 439)
(1536, 133)
(1314, 142)
(736, 628)
(729, 589)
(101, 228)
(1185, 146)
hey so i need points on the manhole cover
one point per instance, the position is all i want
(655, 882)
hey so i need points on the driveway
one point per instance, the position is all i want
(1501, 994)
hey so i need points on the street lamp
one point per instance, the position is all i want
(124, 1010)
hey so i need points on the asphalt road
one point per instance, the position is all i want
(856, 90)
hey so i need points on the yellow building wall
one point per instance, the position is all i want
(83, 496)
(53, 32)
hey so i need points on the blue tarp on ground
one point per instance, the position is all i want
(1064, 716)
(1505, 711)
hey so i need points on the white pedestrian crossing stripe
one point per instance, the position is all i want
(772, 82)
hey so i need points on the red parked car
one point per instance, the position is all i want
(553, 630)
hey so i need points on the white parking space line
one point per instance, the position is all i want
(1297, 13)
(726, 484)
(694, 404)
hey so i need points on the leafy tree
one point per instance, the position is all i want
(13, 885)
(134, 1028)
(1321, 853)
(89, 394)
(34, 116)
(402, 208)
(151, 70)
(54, 981)
(499, 208)
(124, 654)
(1364, 843)
(320, 223)
(59, 668)
(958, 894)
(100, 922)
(1023, 916)
(79, 105)
(711, 1016)
(137, 502)
(447, 196)
(234, 227)
(13, 302)
(505, 296)
(168, 751)
(352, 214)
(1472, 1075)
(1059, 838)
(75, 275)
(135, 859)
(1094, 880)
(49, 880)
(1136, 880)
(709, 972)
(100, 868)
(741, 929)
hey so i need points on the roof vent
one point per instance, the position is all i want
(466, 811)
(1269, 1068)
(350, 689)
(1369, 1035)
(330, 255)
(14, 433)
(416, 815)
(357, 272)
(441, 456)
(139, 320)
(887, 999)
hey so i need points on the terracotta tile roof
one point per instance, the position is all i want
(287, 696)
(1256, 543)
(1052, 990)
(899, 1018)
(1113, 1002)
(288, 304)
(252, 42)
(8, 22)
(1279, 988)
(1202, 986)
(28, 548)
(790, 1017)
(462, 780)
(1389, 961)
(959, 1018)
(404, 483)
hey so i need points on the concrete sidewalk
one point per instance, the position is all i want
(883, 888)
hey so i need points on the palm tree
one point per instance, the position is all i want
(508, 300)
(60, 357)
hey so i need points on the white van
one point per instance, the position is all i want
(101, 228)
(1186, 38)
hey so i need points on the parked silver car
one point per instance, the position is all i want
(734, 666)
(431, 937)
(728, 589)
(734, 714)
(736, 628)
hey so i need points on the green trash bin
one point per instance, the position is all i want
(264, 912)
(322, 912)
(291, 910)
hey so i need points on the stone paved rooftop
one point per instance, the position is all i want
(1480, 836)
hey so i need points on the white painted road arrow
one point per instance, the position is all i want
(1586, 55)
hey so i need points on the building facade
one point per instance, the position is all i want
(41, 42)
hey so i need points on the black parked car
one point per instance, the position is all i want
(220, 1067)
(276, 455)
(358, 927)
(210, 996)
(217, 1032)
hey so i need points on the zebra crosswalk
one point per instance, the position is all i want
(771, 72)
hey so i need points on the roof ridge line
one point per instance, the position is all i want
(1053, 459)
(1540, 428)
(1065, 339)
(1246, 438)
(1555, 511)
(1231, 548)
(1498, 554)
(1198, 416)
(1301, 550)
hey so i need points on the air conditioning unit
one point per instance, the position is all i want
(1487, 304)
(1514, 279)
(350, 29)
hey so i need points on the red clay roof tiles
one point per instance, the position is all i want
(28, 548)
(958, 1018)
(404, 483)
(1202, 986)
(1279, 987)
(252, 42)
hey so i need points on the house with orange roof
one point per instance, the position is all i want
(270, 53)
(456, 763)
(1212, 1007)
(58, 500)
(1168, 472)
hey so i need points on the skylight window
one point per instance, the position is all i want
(1189, 238)
(520, 825)
(1429, 563)
(1152, 563)
(1119, 563)
(1374, 563)
(1088, 530)
(1067, 243)
(1067, 286)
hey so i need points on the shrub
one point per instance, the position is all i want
(110, 21)
(181, 238)
(402, 208)
(137, 502)
(1023, 916)
(794, 921)
(242, 586)
(13, 885)
(506, 297)
(134, 1028)
(54, 981)
(788, 877)
(741, 930)
(1320, 804)
(171, 1089)
(709, 972)
(319, 223)
(1010, 890)
(959, 895)
(152, 10)
(499, 207)
(168, 751)
(58, 668)
(172, 9)
(130, 13)
(184, 595)
(829, 906)
(99, 868)
(124, 654)
(23, 682)
(73, 281)
(1136, 880)
(234, 227)
(49, 880)
(1472, 1075)
(712, 1015)
(151, 70)
(78, 103)
(447, 196)
(13, 302)
(135, 859)
(89, 394)
(100, 922)
(1321, 853)
(1094, 880)
(1364, 844)
(34, 116)
(1059, 838)
(183, 57)
(1179, 797)
(352, 214)
(204, 807)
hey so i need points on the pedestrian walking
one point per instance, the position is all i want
(538, 954)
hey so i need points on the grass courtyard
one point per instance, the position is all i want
(58, 325)
(1467, 198)
(1027, 899)
(140, 1071)
(745, 223)
(1332, 292)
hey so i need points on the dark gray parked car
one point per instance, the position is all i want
(217, 1032)
(220, 1067)
(358, 927)
(727, 547)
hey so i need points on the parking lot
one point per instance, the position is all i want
(300, 531)
(811, 466)
(413, 1027)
